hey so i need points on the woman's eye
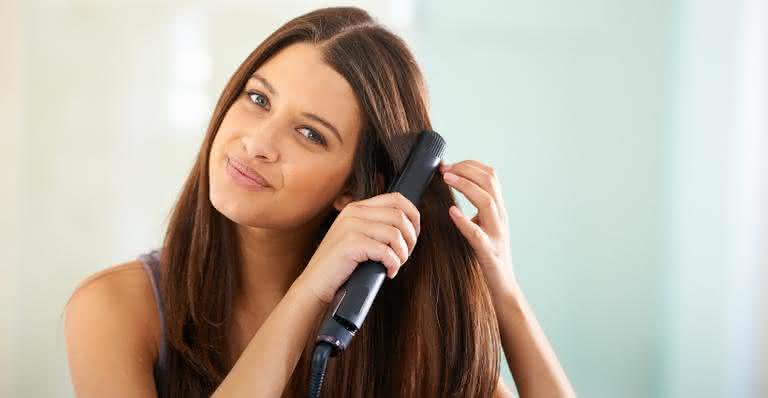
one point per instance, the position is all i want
(319, 138)
(258, 99)
(262, 101)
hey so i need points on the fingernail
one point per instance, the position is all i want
(450, 177)
(455, 211)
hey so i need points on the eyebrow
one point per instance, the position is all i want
(312, 116)
(324, 123)
(264, 81)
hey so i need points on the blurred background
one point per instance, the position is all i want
(630, 136)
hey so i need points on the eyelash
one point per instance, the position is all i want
(319, 141)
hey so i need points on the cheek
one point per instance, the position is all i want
(314, 187)
(227, 129)
(216, 160)
(319, 180)
(219, 140)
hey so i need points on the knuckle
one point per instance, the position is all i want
(352, 221)
(404, 202)
(393, 234)
(403, 219)
(405, 249)
(486, 200)
(396, 252)
(356, 238)
(395, 259)
(348, 210)
(416, 212)
(397, 245)
(492, 205)
(488, 179)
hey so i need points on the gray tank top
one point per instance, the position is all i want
(151, 263)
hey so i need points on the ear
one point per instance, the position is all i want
(342, 201)
(344, 197)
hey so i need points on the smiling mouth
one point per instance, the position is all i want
(242, 178)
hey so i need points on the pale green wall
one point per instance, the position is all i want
(567, 100)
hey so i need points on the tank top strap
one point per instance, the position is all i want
(151, 261)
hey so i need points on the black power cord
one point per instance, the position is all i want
(319, 361)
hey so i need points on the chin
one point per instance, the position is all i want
(232, 208)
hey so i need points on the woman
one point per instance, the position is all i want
(286, 197)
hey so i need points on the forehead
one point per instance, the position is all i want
(304, 82)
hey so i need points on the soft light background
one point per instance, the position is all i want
(630, 136)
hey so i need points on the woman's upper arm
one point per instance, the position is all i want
(108, 347)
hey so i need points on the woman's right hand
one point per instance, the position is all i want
(382, 228)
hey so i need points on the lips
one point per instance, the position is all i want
(248, 171)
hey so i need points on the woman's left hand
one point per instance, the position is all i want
(487, 232)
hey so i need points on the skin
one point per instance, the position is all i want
(531, 359)
(266, 129)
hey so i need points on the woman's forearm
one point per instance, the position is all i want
(533, 363)
(267, 363)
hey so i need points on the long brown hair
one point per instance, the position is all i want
(431, 332)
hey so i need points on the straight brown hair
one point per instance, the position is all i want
(432, 331)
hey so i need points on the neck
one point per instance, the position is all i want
(270, 261)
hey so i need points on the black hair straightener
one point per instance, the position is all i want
(353, 300)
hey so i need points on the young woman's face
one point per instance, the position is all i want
(297, 124)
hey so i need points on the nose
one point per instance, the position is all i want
(260, 142)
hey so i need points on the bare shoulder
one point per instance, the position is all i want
(112, 332)
(124, 279)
